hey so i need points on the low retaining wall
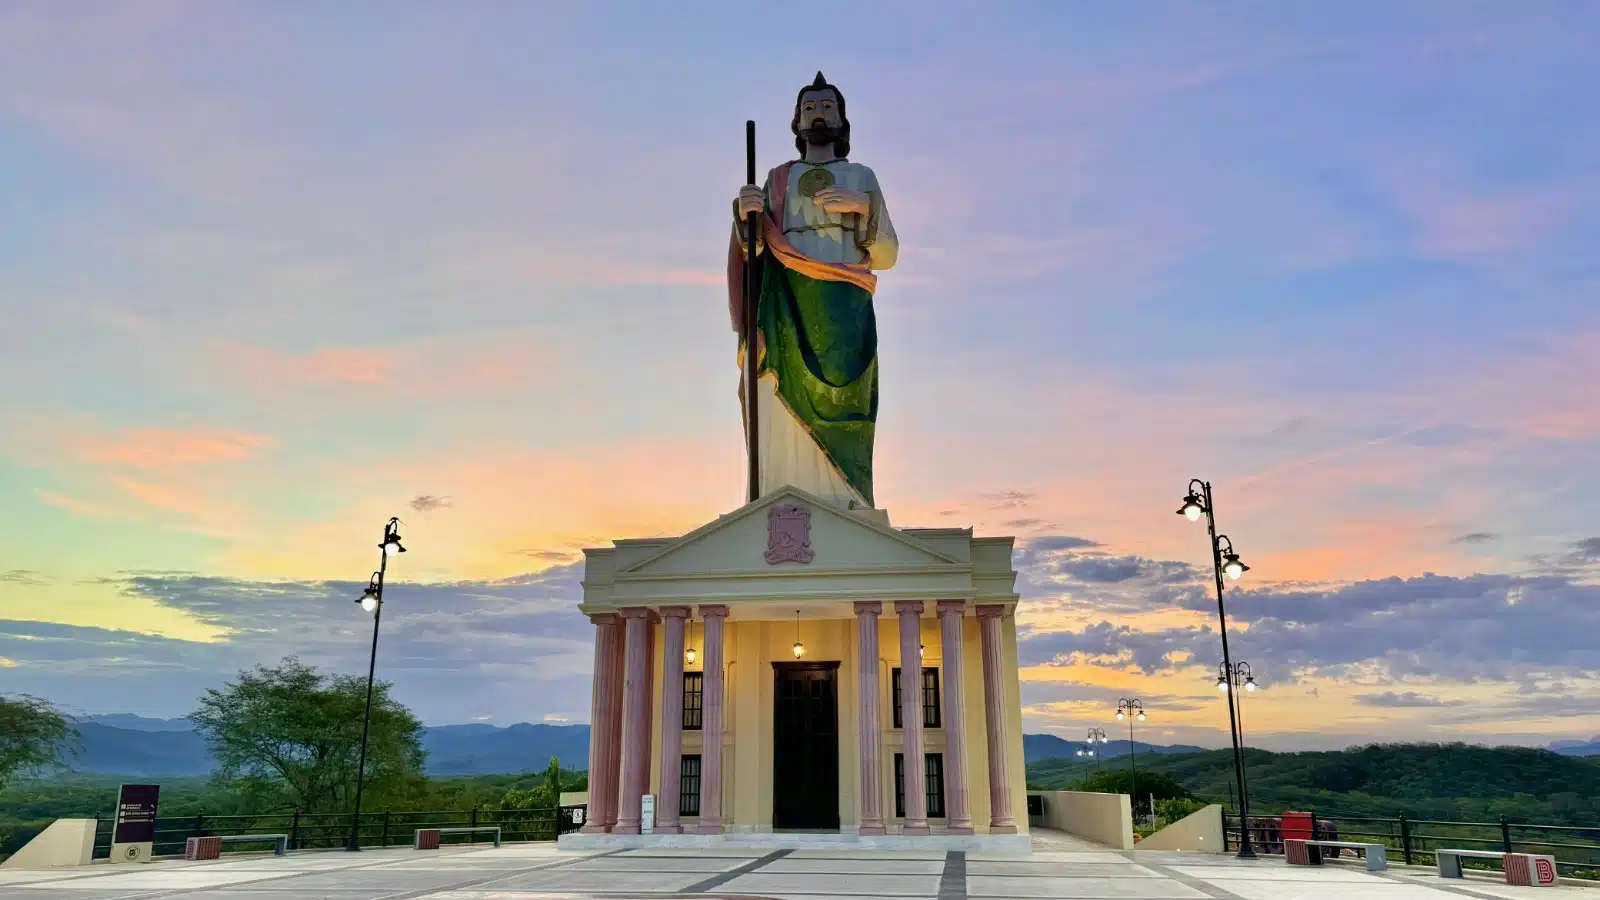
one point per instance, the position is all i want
(1200, 831)
(1103, 818)
(67, 842)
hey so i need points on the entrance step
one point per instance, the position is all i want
(1019, 844)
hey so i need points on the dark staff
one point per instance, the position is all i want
(752, 282)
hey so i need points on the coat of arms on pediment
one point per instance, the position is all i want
(788, 534)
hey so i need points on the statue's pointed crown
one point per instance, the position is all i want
(819, 81)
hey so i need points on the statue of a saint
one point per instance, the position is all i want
(824, 230)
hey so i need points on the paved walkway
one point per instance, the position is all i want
(540, 872)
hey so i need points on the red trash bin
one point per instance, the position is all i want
(1296, 826)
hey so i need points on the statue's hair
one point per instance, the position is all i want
(841, 147)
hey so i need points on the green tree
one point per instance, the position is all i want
(533, 810)
(1175, 808)
(1149, 784)
(288, 737)
(32, 735)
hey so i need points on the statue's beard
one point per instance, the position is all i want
(820, 134)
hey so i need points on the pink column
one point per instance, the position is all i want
(955, 715)
(990, 619)
(871, 733)
(602, 734)
(649, 704)
(613, 760)
(916, 780)
(671, 719)
(711, 723)
(635, 719)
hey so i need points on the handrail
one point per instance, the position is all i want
(1507, 835)
(331, 830)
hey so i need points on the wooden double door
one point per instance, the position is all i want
(805, 746)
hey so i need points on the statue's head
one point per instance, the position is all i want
(819, 118)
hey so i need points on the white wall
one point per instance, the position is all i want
(67, 842)
(1199, 831)
(1103, 818)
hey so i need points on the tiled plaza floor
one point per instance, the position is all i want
(1061, 866)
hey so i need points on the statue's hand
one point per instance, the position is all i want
(843, 200)
(751, 200)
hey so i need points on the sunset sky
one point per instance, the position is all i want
(273, 273)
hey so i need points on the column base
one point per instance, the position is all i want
(709, 828)
(869, 829)
(674, 828)
(624, 828)
(596, 828)
(914, 828)
(1003, 828)
(963, 829)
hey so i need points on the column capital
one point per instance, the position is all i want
(952, 606)
(636, 612)
(713, 611)
(675, 612)
(605, 618)
(869, 607)
(902, 607)
(990, 610)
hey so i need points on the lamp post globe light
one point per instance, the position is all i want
(371, 600)
(1224, 562)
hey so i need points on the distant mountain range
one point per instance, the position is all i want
(170, 748)
(138, 746)
(1047, 746)
(1590, 747)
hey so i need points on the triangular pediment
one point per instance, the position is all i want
(839, 540)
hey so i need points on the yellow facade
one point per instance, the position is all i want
(752, 647)
(769, 585)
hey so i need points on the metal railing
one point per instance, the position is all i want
(1576, 848)
(331, 831)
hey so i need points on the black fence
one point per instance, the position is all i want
(1576, 848)
(331, 831)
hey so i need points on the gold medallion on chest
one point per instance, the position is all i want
(813, 180)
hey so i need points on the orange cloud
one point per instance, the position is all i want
(205, 516)
(328, 365)
(435, 368)
(162, 448)
(85, 509)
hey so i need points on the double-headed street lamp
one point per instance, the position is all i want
(1240, 676)
(371, 600)
(1224, 561)
(1130, 710)
(1096, 736)
(1230, 681)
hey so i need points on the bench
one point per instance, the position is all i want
(428, 838)
(211, 847)
(1532, 869)
(1308, 853)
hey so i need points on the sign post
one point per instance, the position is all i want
(133, 837)
(647, 814)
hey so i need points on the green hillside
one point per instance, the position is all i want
(1440, 781)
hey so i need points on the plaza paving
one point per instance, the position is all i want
(1060, 867)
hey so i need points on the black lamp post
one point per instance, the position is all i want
(1130, 710)
(1096, 736)
(1224, 561)
(371, 600)
(1239, 677)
